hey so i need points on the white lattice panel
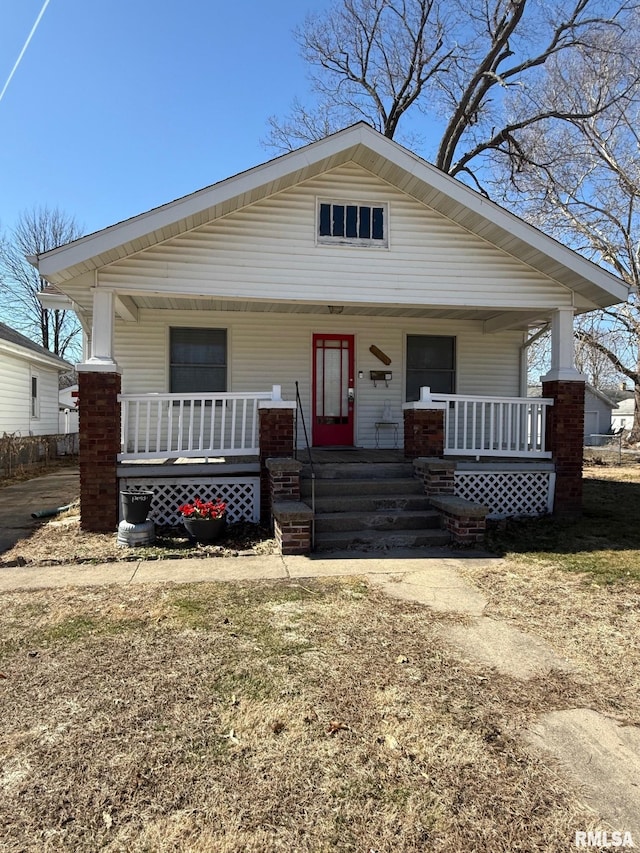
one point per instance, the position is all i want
(508, 493)
(241, 494)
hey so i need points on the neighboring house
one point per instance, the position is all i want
(29, 377)
(352, 270)
(598, 409)
(68, 411)
(622, 416)
(597, 412)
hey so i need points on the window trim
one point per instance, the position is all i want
(224, 329)
(453, 371)
(364, 242)
(34, 400)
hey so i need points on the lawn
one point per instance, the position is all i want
(313, 716)
(605, 541)
(279, 716)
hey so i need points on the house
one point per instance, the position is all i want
(348, 293)
(598, 412)
(622, 415)
(29, 377)
(598, 408)
(68, 409)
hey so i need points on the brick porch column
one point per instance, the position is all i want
(565, 419)
(99, 415)
(565, 439)
(276, 439)
(424, 427)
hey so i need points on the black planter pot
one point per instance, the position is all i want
(205, 531)
(136, 506)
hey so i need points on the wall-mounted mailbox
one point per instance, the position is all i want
(381, 376)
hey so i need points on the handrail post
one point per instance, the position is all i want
(313, 473)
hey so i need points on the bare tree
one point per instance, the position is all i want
(581, 182)
(37, 231)
(481, 72)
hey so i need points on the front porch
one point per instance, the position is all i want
(501, 452)
(495, 446)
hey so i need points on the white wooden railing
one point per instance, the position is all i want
(495, 426)
(169, 426)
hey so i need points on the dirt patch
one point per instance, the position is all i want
(60, 541)
(266, 716)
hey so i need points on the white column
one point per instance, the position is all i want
(562, 348)
(101, 358)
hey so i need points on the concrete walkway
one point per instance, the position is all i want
(19, 500)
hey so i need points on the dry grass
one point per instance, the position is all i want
(577, 585)
(315, 716)
(604, 541)
(60, 540)
(307, 717)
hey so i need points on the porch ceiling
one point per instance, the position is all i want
(520, 320)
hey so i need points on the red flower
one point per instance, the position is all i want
(203, 509)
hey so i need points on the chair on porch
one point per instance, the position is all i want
(386, 422)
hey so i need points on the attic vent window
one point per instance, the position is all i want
(352, 224)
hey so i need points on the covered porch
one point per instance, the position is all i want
(179, 445)
(218, 443)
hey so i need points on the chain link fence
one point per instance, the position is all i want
(605, 448)
(19, 453)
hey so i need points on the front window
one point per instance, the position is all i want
(352, 223)
(431, 361)
(198, 361)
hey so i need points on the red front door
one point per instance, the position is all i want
(333, 390)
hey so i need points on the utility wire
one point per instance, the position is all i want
(26, 45)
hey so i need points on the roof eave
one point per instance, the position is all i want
(87, 250)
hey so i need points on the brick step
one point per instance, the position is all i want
(380, 539)
(393, 486)
(370, 503)
(358, 470)
(359, 522)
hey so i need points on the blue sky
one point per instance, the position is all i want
(121, 105)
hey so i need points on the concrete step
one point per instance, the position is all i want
(371, 503)
(357, 522)
(393, 486)
(358, 470)
(380, 539)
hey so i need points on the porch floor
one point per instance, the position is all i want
(319, 456)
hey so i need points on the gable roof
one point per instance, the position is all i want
(373, 151)
(16, 344)
(625, 407)
(536, 391)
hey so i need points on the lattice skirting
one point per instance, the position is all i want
(508, 493)
(241, 494)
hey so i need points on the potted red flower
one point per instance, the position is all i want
(204, 520)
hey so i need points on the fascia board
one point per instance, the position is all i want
(139, 226)
(110, 238)
(504, 219)
(34, 357)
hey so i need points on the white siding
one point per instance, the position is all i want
(15, 393)
(48, 422)
(276, 349)
(597, 414)
(268, 251)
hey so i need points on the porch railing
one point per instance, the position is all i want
(495, 426)
(169, 426)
